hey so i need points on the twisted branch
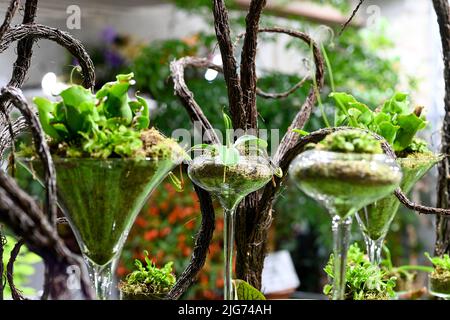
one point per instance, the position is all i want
(37, 31)
(201, 246)
(10, 12)
(248, 65)
(16, 294)
(222, 27)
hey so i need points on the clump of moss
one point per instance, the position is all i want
(440, 277)
(148, 282)
(350, 141)
(364, 281)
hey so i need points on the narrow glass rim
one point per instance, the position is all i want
(67, 159)
(347, 155)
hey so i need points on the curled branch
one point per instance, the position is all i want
(16, 294)
(196, 114)
(14, 95)
(201, 246)
(36, 31)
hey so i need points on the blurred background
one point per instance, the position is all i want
(392, 45)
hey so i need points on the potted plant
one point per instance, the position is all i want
(398, 124)
(231, 172)
(108, 160)
(346, 171)
(364, 281)
(147, 282)
(439, 279)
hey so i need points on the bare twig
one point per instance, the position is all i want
(16, 294)
(344, 26)
(2, 271)
(10, 12)
(281, 95)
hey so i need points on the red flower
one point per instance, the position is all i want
(165, 231)
(151, 235)
(141, 222)
(153, 211)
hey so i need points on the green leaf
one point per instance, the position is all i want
(45, 109)
(76, 95)
(228, 156)
(249, 138)
(176, 182)
(244, 291)
(398, 104)
(388, 131)
(301, 132)
(140, 106)
(409, 125)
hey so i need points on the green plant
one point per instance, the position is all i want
(148, 279)
(350, 141)
(104, 125)
(404, 274)
(393, 120)
(229, 154)
(441, 263)
(244, 291)
(364, 281)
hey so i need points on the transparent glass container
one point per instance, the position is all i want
(344, 183)
(230, 184)
(439, 287)
(101, 200)
(375, 219)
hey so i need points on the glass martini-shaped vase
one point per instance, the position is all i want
(344, 183)
(230, 184)
(375, 219)
(101, 200)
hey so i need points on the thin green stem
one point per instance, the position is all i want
(319, 99)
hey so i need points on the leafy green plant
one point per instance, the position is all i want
(405, 274)
(364, 281)
(229, 154)
(148, 279)
(100, 126)
(393, 120)
(442, 263)
(244, 291)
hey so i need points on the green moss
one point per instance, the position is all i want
(350, 141)
(377, 217)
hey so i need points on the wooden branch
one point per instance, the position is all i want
(2, 250)
(248, 63)
(18, 126)
(23, 216)
(186, 96)
(282, 95)
(222, 28)
(14, 95)
(36, 31)
(24, 48)
(16, 294)
(442, 244)
(10, 12)
(290, 138)
(201, 246)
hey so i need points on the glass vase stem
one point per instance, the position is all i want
(102, 278)
(374, 249)
(341, 233)
(229, 216)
